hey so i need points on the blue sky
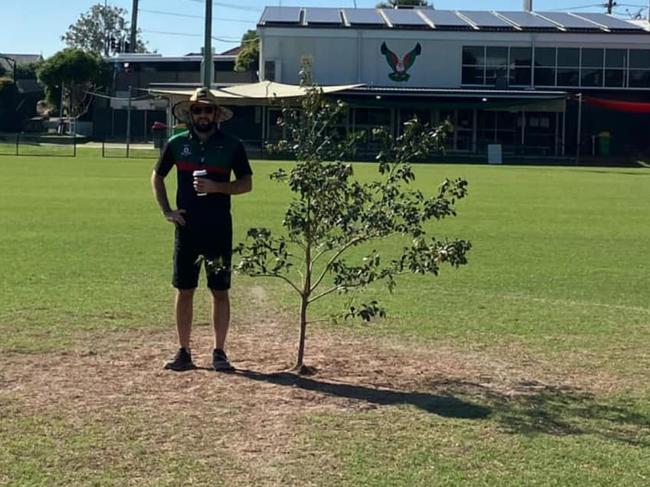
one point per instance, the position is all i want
(36, 26)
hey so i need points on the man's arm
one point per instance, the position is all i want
(160, 192)
(239, 186)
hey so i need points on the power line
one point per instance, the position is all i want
(233, 40)
(183, 34)
(159, 12)
(607, 6)
(174, 14)
(601, 5)
(229, 5)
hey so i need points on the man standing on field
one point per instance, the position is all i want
(202, 218)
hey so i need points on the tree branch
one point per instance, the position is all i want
(334, 257)
(324, 293)
(331, 290)
(286, 279)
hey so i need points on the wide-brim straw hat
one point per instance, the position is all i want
(201, 96)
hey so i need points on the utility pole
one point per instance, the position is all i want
(208, 61)
(610, 6)
(134, 26)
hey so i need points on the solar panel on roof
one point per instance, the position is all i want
(407, 17)
(445, 18)
(485, 19)
(314, 15)
(284, 15)
(568, 21)
(366, 16)
(609, 21)
(527, 20)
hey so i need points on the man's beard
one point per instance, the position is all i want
(205, 127)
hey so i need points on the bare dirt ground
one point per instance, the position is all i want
(256, 411)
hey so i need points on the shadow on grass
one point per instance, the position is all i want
(442, 405)
(641, 171)
(529, 408)
(535, 408)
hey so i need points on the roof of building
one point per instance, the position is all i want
(440, 20)
(23, 58)
(232, 52)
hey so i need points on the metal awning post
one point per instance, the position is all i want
(579, 131)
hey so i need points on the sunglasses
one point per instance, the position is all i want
(208, 110)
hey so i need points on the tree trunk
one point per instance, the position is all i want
(301, 368)
(300, 365)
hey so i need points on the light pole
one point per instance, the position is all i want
(208, 62)
(134, 27)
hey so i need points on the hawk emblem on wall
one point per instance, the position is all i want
(400, 67)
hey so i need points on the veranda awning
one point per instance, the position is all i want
(262, 93)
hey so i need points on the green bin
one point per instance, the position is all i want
(604, 139)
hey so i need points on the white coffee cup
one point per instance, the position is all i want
(200, 174)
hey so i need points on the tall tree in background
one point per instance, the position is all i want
(248, 57)
(102, 29)
(403, 3)
(77, 73)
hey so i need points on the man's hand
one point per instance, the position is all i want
(239, 186)
(175, 217)
(204, 185)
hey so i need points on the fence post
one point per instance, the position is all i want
(74, 142)
(128, 126)
(17, 144)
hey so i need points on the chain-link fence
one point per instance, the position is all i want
(38, 145)
(120, 149)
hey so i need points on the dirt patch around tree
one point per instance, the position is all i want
(257, 410)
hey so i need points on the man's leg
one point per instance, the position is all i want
(220, 317)
(183, 358)
(184, 310)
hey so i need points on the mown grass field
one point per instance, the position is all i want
(527, 367)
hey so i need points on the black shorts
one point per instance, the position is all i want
(214, 243)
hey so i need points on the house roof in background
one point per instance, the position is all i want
(231, 52)
(23, 58)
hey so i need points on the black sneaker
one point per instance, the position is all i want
(220, 361)
(182, 361)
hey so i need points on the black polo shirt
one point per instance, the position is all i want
(220, 155)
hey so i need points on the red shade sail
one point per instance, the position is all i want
(618, 105)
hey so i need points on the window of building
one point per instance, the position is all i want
(473, 71)
(521, 61)
(615, 66)
(592, 67)
(563, 67)
(545, 66)
(639, 68)
(269, 70)
(568, 66)
(372, 117)
(496, 66)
